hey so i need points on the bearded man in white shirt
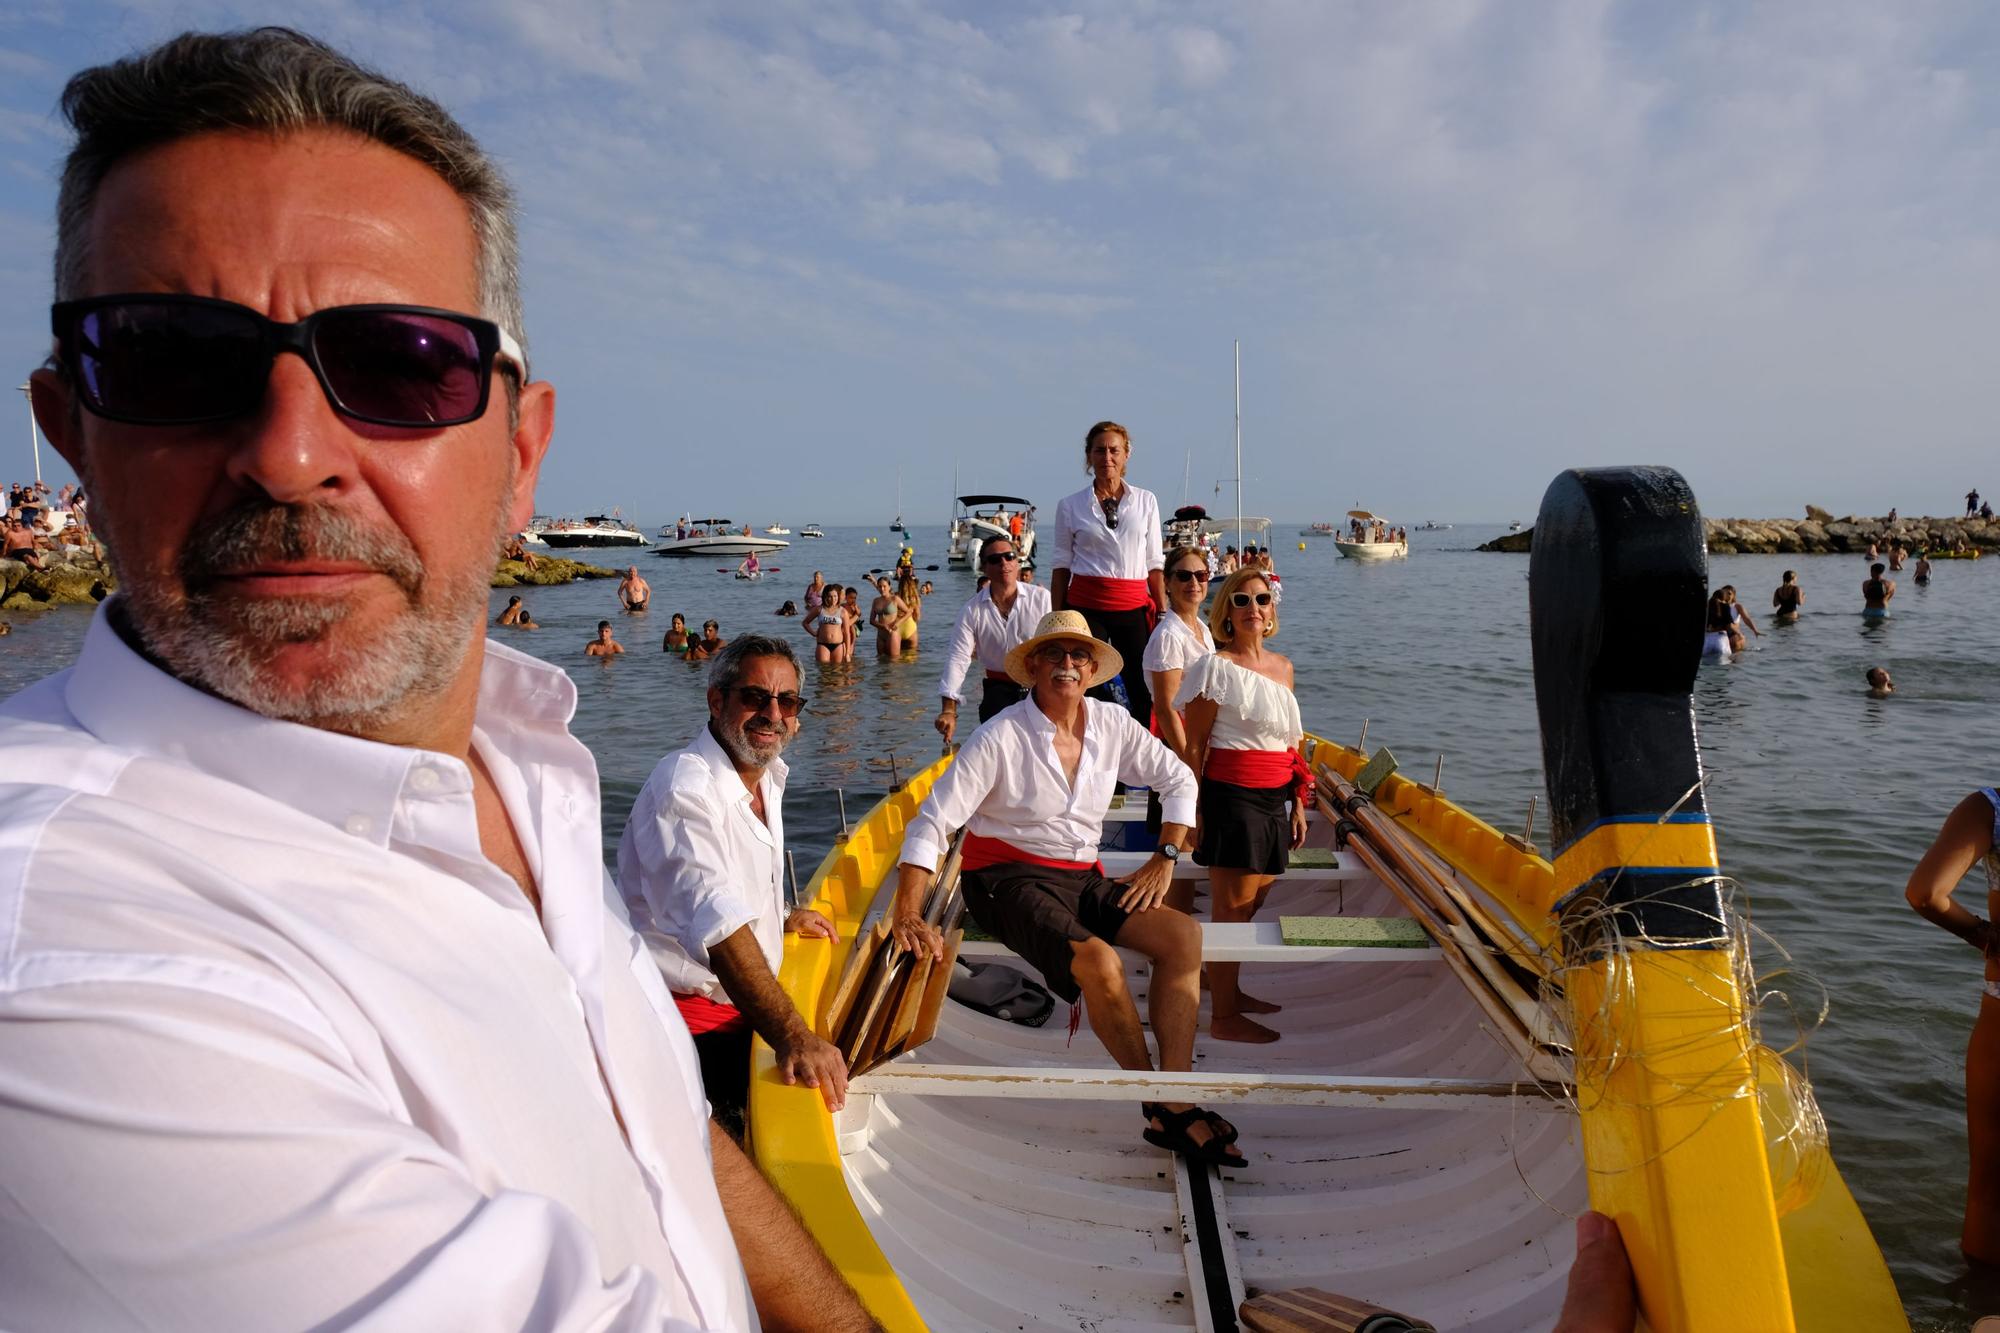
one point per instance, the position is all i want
(701, 868)
(316, 1010)
(1031, 788)
(1001, 615)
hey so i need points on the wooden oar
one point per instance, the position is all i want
(1665, 1084)
(877, 1010)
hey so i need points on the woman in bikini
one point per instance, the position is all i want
(1971, 835)
(827, 623)
(886, 615)
(913, 606)
(676, 641)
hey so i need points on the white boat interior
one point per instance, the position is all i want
(1370, 537)
(983, 516)
(1397, 1152)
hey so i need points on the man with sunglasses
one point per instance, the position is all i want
(317, 1011)
(1002, 614)
(701, 867)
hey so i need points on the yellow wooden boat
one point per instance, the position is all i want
(1577, 1035)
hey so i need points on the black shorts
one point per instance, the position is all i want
(1037, 911)
(995, 695)
(725, 1076)
(1245, 828)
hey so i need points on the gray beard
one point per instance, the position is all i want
(226, 646)
(735, 743)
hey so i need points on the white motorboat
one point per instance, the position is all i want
(812, 530)
(1320, 530)
(1428, 526)
(714, 536)
(983, 516)
(1515, 526)
(777, 530)
(1370, 538)
(595, 530)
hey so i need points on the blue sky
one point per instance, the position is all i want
(775, 251)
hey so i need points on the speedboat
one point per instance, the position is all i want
(812, 530)
(777, 530)
(1478, 1042)
(1320, 530)
(1515, 526)
(983, 516)
(715, 536)
(1362, 544)
(596, 530)
(1428, 526)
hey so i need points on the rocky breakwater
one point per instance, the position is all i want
(75, 576)
(549, 570)
(1820, 533)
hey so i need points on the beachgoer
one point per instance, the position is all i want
(603, 645)
(815, 591)
(751, 567)
(1892, 513)
(1879, 684)
(1015, 524)
(633, 591)
(1876, 592)
(1230, 563)
(886, 614)
(1181, 639)
(709, 644)
(1971, 835)
(1986, 510)
(1030, 788)
(267, 802)
(928, 588)
(676, 640)
(17, 542)
(1895, 557)
(701, 866)
(1874, 551)
(1972, 502)
(828, 626)
(1243, 731)
(851, 607)
(514, 614)
(997, 618)
(1923, 572)
(1720, 637)
(1107, 559)
(912, 599)
(1787, 598)
(1738, 615)
(790, 608)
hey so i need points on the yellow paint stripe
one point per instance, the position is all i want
(1609, 846)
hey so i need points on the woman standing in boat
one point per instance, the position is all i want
(1179, 641)
(1107, 561)
(1971, 834)
(1243, 732)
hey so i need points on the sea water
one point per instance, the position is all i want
(1823, 798)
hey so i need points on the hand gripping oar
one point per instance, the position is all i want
(1672, 1135)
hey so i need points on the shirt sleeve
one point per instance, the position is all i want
(1145, 761)
(260, 1182)
(953, 799)
(1156, 555)
(682, 873)
(1062, 539)
(958, 654)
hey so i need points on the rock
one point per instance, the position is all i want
(1512, 543)
(1820, 535)
(549, 570)
(1814, 514)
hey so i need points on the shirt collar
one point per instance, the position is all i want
(724, 768)
(126, 701)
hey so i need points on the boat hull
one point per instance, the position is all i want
(968, 534)
(1372, 550)
(592, 539)
(732, 544)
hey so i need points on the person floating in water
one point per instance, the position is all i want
(1876, 592)
(1788, 598)
(603, 645)
(1879, 684)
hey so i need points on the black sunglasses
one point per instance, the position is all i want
(1245, 598)
(163, 359)
(1190, 575)
(998, 557)
(757, 699)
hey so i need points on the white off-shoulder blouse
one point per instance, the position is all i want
(1253, 712)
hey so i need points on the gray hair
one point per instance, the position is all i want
(728, 667)
(274, 81)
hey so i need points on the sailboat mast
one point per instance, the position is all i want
(1239, 443)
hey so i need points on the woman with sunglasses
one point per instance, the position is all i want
(1243, 731)
(1179, 641)
(1107, 559)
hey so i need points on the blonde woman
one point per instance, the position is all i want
(1177, 643)
(912, 599)
(1243, 731)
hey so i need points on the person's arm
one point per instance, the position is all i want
(1164, 684)
(1156, 586)
(952, 800)
(1748, 621)
(1059, 556)
(1966, 836)
(1156, 557)
(1059, 588)
(1888, 589)
(677, 867)
(739, 964)
(792, 1283)
(957, 658)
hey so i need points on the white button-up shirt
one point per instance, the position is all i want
(281, 1048)
(696, 865)
(1007, 783)
(984, 635)
(1085, 544)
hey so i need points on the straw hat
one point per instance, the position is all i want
(1064, 625)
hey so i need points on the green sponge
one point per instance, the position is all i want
(1314, 858)
(1373, 932)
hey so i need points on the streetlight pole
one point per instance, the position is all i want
(34, 438)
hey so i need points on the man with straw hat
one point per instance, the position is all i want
(1031, 788)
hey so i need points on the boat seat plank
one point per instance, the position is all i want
(1055, 1083)
(1342, 870)
(1253, 942)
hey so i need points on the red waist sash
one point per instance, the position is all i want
(980, 852)
(704, 1015)
(1250, 768)
(1101, 594)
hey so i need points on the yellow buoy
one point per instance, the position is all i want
(1302, 546)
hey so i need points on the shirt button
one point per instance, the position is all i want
(359, 825)
(425, 779)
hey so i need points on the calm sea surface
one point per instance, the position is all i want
(1824, 798)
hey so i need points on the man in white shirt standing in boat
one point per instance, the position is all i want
(315, 1010)
(1000, 615)
(1031, 788)
(701, 866)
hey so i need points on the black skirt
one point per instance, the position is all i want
(1245, 828)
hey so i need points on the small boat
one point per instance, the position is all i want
(777, 530)
(1515, 526)
(897, 526)
(596, 530)
(715, 536)
(1429, 526)
(750, 575)
(1320, 530)
(1557, 1034)
(983, 516)
(1363, 544)
(812, 530)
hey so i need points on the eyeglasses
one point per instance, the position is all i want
(1062, 656)
(1190, 576)
(1109, 504)
(163, 359)
(1245, 598)
(999, 558)
(757, 699)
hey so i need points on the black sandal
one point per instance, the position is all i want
(1174, 1137)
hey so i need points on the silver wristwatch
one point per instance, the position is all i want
(1172, 851)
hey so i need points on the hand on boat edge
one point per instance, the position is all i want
(807, 1059)
(811, 925)
(918, 936)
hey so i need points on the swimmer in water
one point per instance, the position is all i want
(1788, 598)
(603, 645)
(1879, 684)
(1923, 575)
(1876, 592)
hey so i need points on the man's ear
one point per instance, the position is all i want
(60, 416)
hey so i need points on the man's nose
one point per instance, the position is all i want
(294, 447)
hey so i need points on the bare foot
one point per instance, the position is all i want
(1235, 1027)
(1250, 1004)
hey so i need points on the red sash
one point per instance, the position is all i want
(1090, 592)
(1251, 768)
(981, 852)
(704, 1015)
